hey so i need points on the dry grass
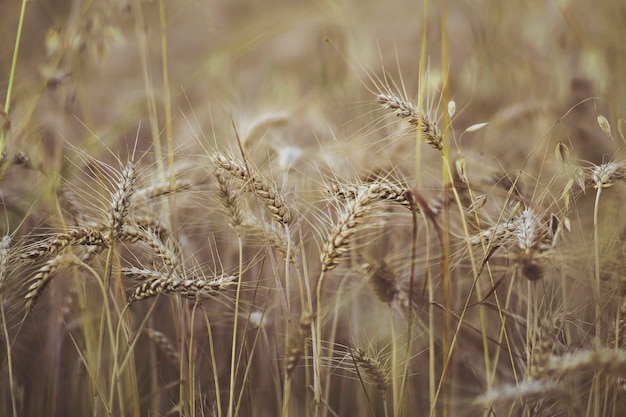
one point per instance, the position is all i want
(312, 209)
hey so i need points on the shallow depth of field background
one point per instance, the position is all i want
(91, 85)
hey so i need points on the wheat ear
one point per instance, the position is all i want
(373, 370)
(338, 241)
(194, 289)
(121, 198)
(76, 236)
(272, 200)
(406, 110)
(43, 277)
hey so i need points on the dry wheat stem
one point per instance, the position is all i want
(406, 110)
(272, 200)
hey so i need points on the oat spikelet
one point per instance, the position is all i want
(43, 277)
(121, 197)
(372, 369)
(272, 200)
(406, 110)
(76, 236)
(194, 289)
(338, 242)
(165, 344)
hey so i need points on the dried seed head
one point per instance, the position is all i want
(194, 289)
(606, 175)
(372, 369)
(417, 119)
(605, 126)
(166, 345)
(338, 242)
(384, 281)
(120, 198)
(43, 277)
(272, 200)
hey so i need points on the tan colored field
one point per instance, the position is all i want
(312, 208)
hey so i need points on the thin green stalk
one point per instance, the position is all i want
(233, 359)
(16, 49)
(9, 360)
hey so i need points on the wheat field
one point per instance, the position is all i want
(315, 208)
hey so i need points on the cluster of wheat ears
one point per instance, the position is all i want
(251, 275)
(463, 298)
